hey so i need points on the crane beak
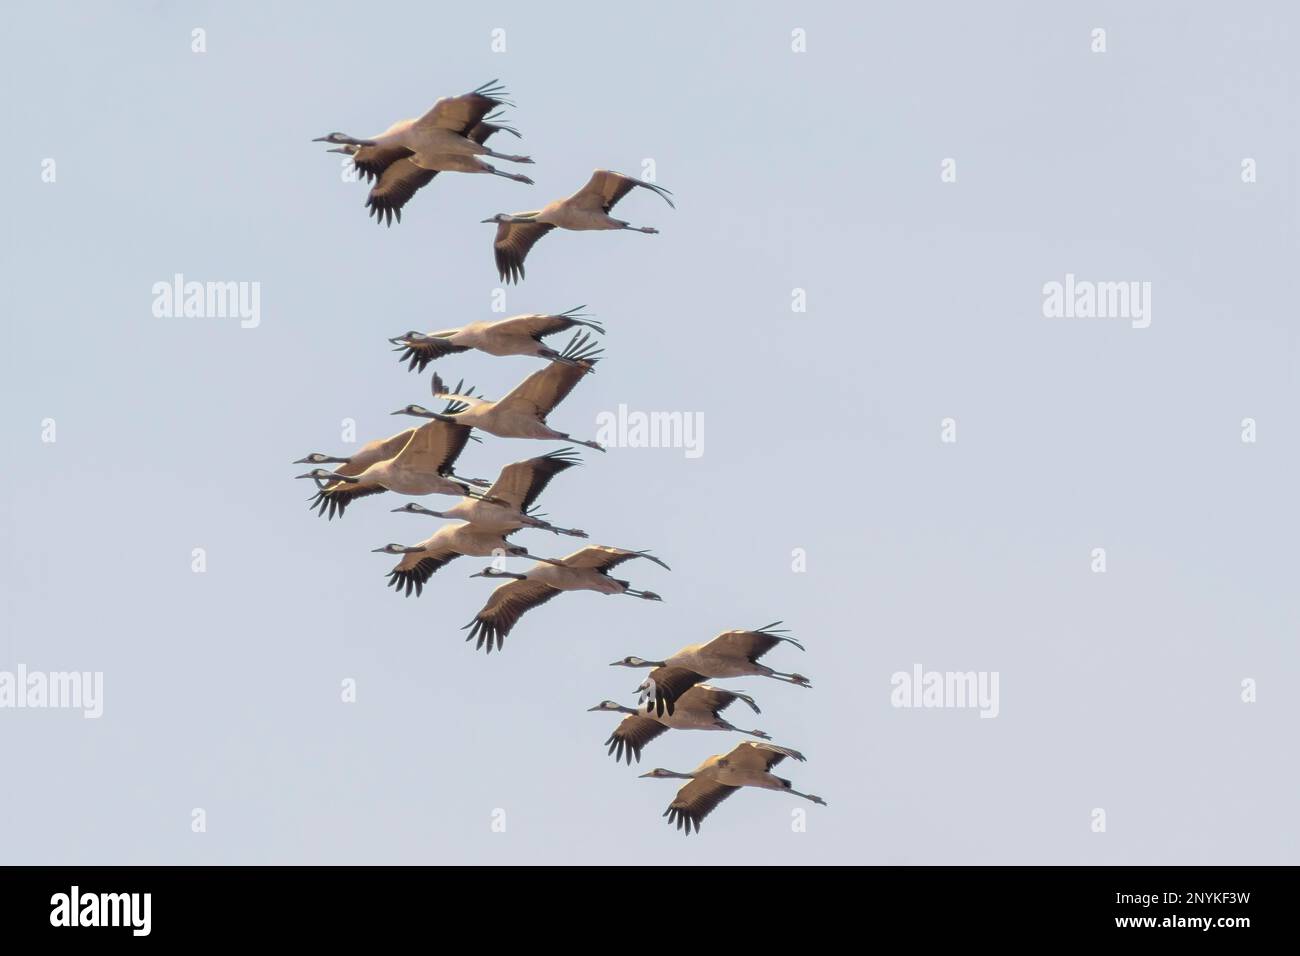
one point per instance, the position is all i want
(644, 775)
(322, 139)
(488, 220)
(597, 707)
(413, 509)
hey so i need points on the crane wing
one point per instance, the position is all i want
(511, 245)
(485, 128)
(695, 801)
(664, 685)
(520, 483)
(716, 699)
(540, 392)
(757, 755)
(336, 496)
(397, 184)
(371, 161)
(415, 569)
(380, 449)
(751, 644)
(605, 188)
(631, 734)
(419, 352)
(540, 326)
(461, 114)
(603, 558)
(440, 390)
(434, 448)
(507, 604)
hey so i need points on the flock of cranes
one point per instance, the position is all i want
(421, 460)
(450, 138)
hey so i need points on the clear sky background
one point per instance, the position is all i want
(818, 171)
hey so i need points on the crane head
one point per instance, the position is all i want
(415, 508)
(411, 336)
(395, 549)
(634, 662)
(419, 411)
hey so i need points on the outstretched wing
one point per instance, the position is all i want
(334, 498)
(631, 734)
(434, 448)
(372, 161)
(540, 392)
(511, 245)
(461, 114)
(695, 801)
(415, 569)
(507, 604)
(539, 326)
(664, 685)
(397, 184)
(486, 128)
(420, 350)
(519, 484)
(377, 450)
(605, 188)
(457, 400)
(751, 644)
(757, 755)
(603, 558)
(716, 699)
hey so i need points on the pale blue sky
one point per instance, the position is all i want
(817, 171)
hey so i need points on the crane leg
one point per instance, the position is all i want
(808, 796)
(578, 441)
(791, 678)
(517, 177)
(508, 158)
